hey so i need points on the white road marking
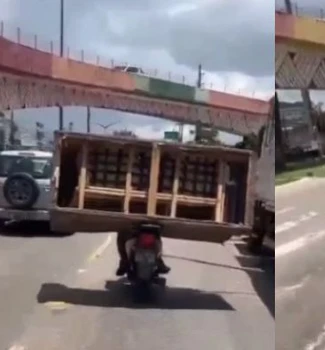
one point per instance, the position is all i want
(284, 211)
(320, 340)
(82, 270)
(306, 217)
(100, 250)
(17, 347)
(288, 225)
(298, 243)
(291, 289)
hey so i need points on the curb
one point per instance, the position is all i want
(294, 183)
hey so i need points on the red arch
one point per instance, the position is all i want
(32, 78)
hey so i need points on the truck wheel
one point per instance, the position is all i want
(256, 238)
(61, 234)
(2, 225)
(255, 243)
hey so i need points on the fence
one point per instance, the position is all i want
(16, 34)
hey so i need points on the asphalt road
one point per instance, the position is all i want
(61, 293)
(300, 267)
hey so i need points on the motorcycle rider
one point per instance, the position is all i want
(122, 238)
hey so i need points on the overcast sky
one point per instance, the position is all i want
(234, 41)
(311, 7)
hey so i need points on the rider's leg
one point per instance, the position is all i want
(162, 267)
(121, 248)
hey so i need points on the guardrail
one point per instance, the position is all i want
(16, 34)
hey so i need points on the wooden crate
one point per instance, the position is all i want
(146, 179)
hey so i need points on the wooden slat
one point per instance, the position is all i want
(105, 191)
(128, 182)
(153, 185)
(223, 173)
(83, 175)
(175, 186)
(250, 190)
(99, 192)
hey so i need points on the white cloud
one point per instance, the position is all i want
(8, 9)
(168, 38)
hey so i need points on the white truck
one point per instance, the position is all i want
(25, 180)
(264, 217)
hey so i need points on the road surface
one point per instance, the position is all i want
(61, 293)
(300, 267)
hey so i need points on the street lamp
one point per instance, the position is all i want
(61, 121)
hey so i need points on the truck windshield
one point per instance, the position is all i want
(39, 168)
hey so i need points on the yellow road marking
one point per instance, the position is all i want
(57, 305)
(100, 250)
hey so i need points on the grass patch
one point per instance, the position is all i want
(296, 171)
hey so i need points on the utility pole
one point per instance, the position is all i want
(12, 129)
(288, 6)
(61, 120)
(199, 76)
(88, 119)
(199, 85)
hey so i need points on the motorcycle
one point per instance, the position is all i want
(144, 250)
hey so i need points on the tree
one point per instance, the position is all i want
(252, 141)
(318, 117)
(206, 135)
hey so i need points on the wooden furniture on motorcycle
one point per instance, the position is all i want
(110, 183)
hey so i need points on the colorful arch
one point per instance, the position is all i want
(300, 52)
(33, 78)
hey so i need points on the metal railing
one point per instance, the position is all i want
(303, 11)
(16, 34)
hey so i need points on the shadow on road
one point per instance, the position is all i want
(29, 229)
(264, 282)
(119, 294)
(207, 262)
(260, 270)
